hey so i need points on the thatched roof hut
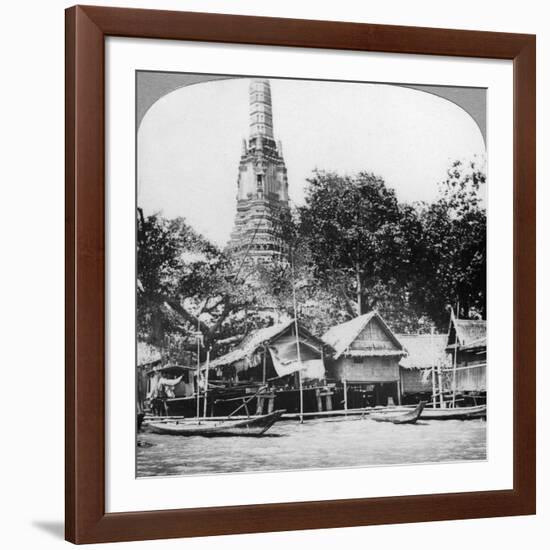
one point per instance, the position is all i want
(467, 334)
(367, 355)
(277, 343)
(364, 336)
(424, 352)
(467, 342)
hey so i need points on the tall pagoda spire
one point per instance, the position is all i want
(261, 111)
(262, 185)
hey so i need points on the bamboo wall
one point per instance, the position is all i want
(471, 379)
(471, 371)
(413, 381)
(372, 369)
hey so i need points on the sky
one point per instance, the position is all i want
(189, 143)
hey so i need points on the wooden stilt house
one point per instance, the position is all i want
(148, 357)
(467, 346)
(366, 361)
(422, 368)
(273, 357)
(270, 353)
(159, 381)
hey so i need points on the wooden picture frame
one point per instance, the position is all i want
(86, 30)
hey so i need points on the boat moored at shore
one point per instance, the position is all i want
(455, 413)
(407, 417)
(253, 426)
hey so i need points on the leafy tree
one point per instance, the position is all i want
(186, 284)
(452, 267)
(352, 226)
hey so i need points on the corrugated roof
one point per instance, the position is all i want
(340, 337)
(471, 333)
(424, 350)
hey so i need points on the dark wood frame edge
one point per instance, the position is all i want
(85, 517)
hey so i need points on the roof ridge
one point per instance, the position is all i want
(366, 318)
(347, 339)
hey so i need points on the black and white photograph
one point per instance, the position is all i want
(311, 274)
(275, 274)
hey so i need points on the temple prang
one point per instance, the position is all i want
(262, 187)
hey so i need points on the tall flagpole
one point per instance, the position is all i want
(434, 361)
(206, 381)
(198, 368)
(455, 351)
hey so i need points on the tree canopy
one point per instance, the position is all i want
(352, 228)
(186, 284)
(452, 267)
(352, 247)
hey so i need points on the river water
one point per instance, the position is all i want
(327, 443)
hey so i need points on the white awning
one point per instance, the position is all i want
(284, 354)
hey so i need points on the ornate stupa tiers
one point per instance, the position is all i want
(262, 185)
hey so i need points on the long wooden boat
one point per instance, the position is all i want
(252, 426)
(455, 413)
(407, 417)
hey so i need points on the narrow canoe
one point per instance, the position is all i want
(408, 417)
(253, 426)
(456, 413)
